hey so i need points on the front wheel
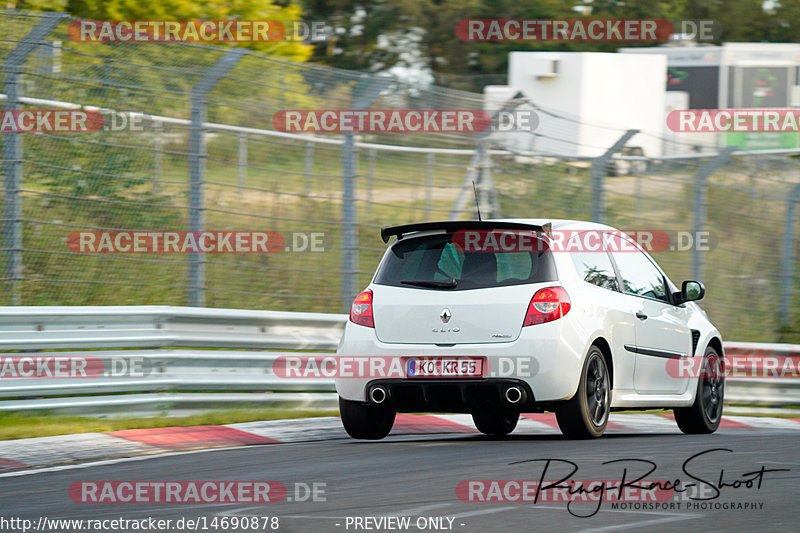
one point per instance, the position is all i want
(705, 414)
(364, 421)
(585, 415)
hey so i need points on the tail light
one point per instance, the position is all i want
(550, 303)
(361, 310)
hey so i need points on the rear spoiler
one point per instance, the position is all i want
(456, 225)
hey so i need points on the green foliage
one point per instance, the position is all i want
(24, 425)
(103, 167)
(459, 64)
(371, 35)
(360, 24)
(189, 10)
(40, 5)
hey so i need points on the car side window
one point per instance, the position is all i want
(639, 275)
(595, 268)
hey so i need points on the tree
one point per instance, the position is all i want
(741, 20)
(39, 5)
(360, 33)
(457, 63)
(186, 10)
(783, 22)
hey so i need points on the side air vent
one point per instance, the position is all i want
(695, 340)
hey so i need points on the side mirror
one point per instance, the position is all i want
(692, 290)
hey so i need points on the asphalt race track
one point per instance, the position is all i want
(416, 476)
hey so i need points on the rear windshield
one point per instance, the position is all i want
(437, 262)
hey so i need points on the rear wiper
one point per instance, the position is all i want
(433, 284)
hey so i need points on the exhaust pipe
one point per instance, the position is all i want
(514, 395)
(378, 394)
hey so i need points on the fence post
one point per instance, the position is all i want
(308, 167)
(371, 155)
(365, 92)
(197, 168)
(484, 185)
(349, 229)
(429, 162)
(599, 170)
(700, 200)
(12, 152)
(158, 156)
(787, 281)
(466, 186)
(637, 208)
(242, 167)
(492, 197)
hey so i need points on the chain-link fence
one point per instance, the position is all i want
(207, 157)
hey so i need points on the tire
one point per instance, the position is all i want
(705, 414)
(495, 421)
(364, 421)
(620, 168)
(585, 415)
(638, 167)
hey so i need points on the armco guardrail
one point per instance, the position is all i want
(778, 391)
(166, 370)
(157, 351)
(42, 328)
(163, 353)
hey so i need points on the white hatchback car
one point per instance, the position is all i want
(501, 317)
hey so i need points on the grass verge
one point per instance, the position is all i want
(22, 426)
(15, 425)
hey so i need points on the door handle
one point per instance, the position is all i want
(641, 315)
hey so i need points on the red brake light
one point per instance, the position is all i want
(361, 310)
(550, 303)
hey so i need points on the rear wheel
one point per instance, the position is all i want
(364, 421)
(705, 414)
(585, 415)
(494, 421)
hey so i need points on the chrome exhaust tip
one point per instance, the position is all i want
(514, 395)
(378, 395)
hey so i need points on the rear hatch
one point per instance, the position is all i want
(434, 289)
(474, 316)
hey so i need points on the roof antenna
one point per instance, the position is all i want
(477, 205)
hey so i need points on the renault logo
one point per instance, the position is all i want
(445, 315)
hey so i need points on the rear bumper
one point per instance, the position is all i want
(547, 358)
(452, 395)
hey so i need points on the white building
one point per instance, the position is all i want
(734, 75)
(586, 100)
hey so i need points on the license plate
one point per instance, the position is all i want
(444, 367)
